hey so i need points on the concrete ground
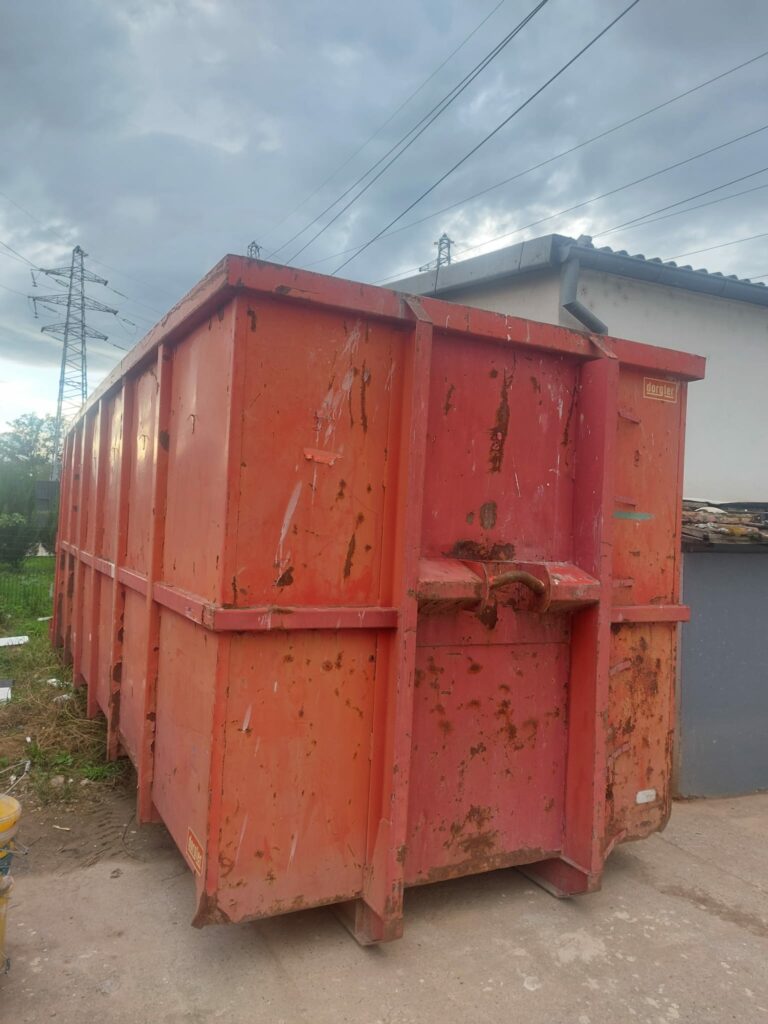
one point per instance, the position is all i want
(99, 930)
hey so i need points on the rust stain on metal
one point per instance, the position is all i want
(164, 440)
(488, 614)
(476, 551)
(448, 396)
(500, 429)
(350, 556)
(568, 418)
(473, 836)
(209, 912)
(285, 579)
(365, 379)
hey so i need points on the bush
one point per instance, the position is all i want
(17, 538)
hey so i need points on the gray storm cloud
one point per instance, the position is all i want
(160, 135)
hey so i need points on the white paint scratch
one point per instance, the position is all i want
(353, 339)
(294, 841)
(242, 836)
(289, 511)
(247, 719)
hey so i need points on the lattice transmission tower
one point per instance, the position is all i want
(443, 244)
(73, 332)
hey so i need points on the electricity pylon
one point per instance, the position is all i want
(443, 244)
(73, 332)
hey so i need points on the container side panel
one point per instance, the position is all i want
(133, 681)
(489, 738)
(85, 602)
(137, 558)
(647, 502)
(141, 471)
(104, 492)
(296, 772)
(73, 565)
(500, 453)
(105, 592)
(314, 456)
(197, 468)
(641, 731)
(106, 531)
(88, 434)
(184, 711)
(91, 457)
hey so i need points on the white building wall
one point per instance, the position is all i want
(727, 431)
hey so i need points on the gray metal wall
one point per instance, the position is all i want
(723, 698)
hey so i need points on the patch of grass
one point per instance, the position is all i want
(47, 725)
(26, 591)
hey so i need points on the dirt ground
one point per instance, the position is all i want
(99, 930)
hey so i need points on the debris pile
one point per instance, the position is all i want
(706, 525)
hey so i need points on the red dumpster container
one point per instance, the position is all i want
(377, 590)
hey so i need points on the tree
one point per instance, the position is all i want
(17, 538)
(26, 454)
(29, 441)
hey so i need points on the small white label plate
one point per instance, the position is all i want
(645, 796)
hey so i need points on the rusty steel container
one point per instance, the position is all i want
(376, 590)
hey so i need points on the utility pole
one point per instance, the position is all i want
(73, 332)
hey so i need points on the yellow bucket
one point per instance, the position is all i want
(10, 812)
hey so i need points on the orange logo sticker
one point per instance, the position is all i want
(195, 852)
(660, 390)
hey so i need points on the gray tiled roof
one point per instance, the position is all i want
(552, 251)
(586, 242)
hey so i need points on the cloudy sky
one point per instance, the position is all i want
(161, 134)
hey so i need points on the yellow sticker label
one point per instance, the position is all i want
(660, 390)
(195, 852)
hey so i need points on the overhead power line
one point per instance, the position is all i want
(636, 221)
(631, 184)
(131, 277)
(490, 135)
(720, 245)
(20, 257)
(643, 221)
(14, 290)
(410, 137)
(389, 120)
(551, 159)
(688, 199)
(48, 227)
(18, 254)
